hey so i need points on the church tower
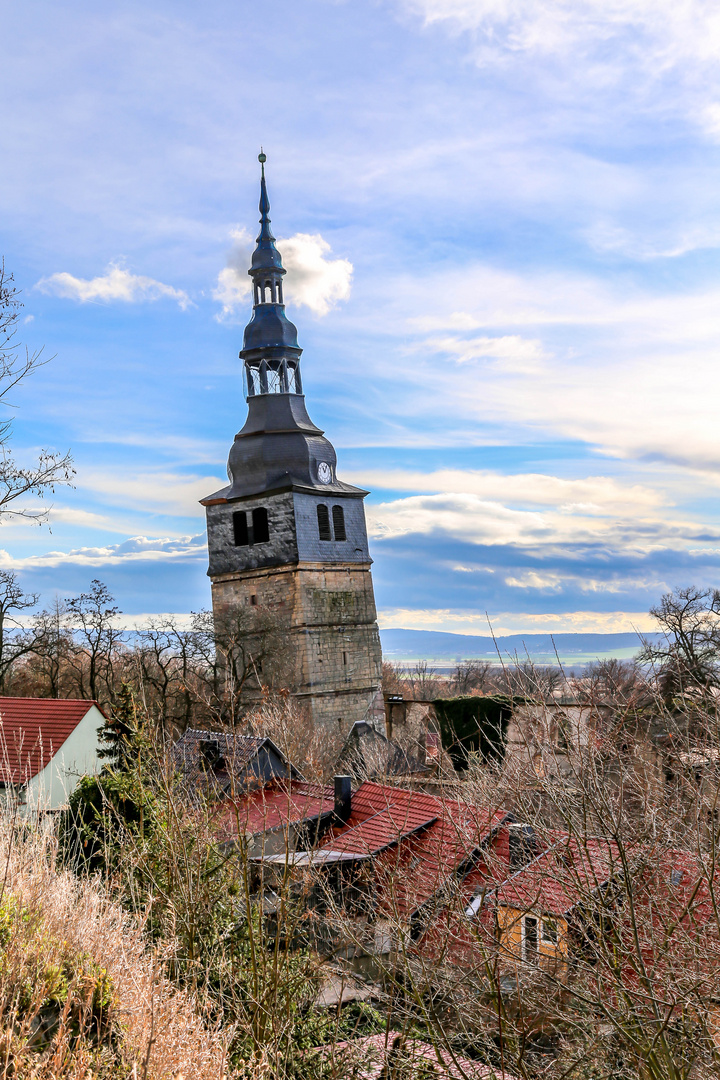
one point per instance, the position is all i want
(286, 535)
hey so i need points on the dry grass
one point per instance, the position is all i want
(55, 923)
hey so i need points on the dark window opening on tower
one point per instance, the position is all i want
(261, 530)
(253, 600)
(323, 516)
(344, 658)
(240, 529)
(339, 522)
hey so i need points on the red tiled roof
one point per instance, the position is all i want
(33, 730)
(379, 831)
(444, 847)
(282, 802)
(432, 837)
(560, 877)
(438, 836)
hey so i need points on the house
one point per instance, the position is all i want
(641, 922)
(221, 762)
(542, 910)
(373, 860)
(46, 746)
(277, 818)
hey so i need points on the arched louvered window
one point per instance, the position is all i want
(339, 522)
(240, 529)
(261, 529)
(323, 515)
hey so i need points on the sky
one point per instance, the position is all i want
(501, 224)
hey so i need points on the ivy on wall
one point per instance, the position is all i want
(473, 724)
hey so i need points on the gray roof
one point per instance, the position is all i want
(237, 754)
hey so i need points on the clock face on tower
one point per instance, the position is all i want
(324, 473)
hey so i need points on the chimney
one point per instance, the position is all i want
(522, 844)
(343, 797)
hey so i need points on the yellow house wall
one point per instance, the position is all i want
(509, 923)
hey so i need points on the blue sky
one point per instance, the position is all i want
(501, 224)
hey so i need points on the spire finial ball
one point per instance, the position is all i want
(262, 158)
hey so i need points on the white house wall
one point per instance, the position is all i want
(77, 757)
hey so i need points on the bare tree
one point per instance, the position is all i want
(52, 646)
(689, 657)
(51, 467)
(240, 655)
(472, 675)
(12, 645)
(92, 617)
(527, 679)
(166, 661)
(616, 682)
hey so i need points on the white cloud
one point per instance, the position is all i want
(511, 352)
(531, 579)
(629, 370)
(627, 57)
(659, 33)
(313, 280)
(133, 550)
(233, 283)
(116, 283)
(671, 243)
(475, 520)
(516, 622)
(592, 495)
(176, 494)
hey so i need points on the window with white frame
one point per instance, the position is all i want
(530, 938)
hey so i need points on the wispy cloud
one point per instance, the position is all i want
(160, 491)
(313, 280)
(457, 621)
(117, 283)
(591, 495)
(662, 33)
(137, 549)
(484, 522)
(510, 353)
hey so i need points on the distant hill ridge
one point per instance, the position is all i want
(400, 644)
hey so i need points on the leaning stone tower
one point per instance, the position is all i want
(286, 535)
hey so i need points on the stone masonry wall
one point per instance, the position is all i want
(331, 618)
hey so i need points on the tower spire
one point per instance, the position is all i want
(270, 346)
(264, 207)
